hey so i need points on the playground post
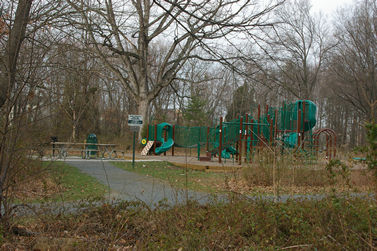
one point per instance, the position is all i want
(134, 122)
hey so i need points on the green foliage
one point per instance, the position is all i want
(335, 168)
(195, 113)
(371, 157)
(360, 149)
(1, 234)
(242, 102)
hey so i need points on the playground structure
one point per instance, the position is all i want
(289, 127)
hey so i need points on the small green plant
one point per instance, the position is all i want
(360, 149)
(371, 157)
(335, 168)
(1, 235)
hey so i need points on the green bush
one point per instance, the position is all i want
(372, 147)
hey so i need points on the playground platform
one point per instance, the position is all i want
(192, 162)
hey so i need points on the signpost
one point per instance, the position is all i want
(134, 122)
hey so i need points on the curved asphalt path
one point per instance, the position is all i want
(126, 185)
(131, 186)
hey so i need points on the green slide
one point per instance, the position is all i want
(166, 145)
(290, 112)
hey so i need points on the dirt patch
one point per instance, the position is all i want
(260, 180)
(243, 187)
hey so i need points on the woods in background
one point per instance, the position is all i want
(69, 68)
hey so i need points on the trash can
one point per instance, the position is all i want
(91, 150)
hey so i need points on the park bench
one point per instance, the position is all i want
(63, 148)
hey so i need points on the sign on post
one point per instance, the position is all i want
(134, 122)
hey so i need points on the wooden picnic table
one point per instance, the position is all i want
(103, 149)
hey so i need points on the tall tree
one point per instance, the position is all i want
(123, 33)
(12, 38)
(195, 114)
(242, 102)
(21, 51)
(295, 49)
(75, 74)
(354, 62)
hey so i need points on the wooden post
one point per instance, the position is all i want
(291, 120)
(271, 127)
(303, 123)
(237, 142)
(330, 145)
(246, 131)
(207, 138)
(282, 115)
(172, 149)
(298, 127)
(155, 138)
(276, 124)
(327, 145)
(221, 138)
(240, 143)
(258, 133)
(251, 139)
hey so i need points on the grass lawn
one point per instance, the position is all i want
(177, 176)
(73, 184)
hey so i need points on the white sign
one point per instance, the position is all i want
(135, 120)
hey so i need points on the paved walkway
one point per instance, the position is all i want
(126, 185)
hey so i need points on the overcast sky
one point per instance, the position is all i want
(328, 7)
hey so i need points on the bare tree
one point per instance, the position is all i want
(295, 49)
(12, 37)
(353, 64)
(21, 52)
(76, 76)
(127, 30)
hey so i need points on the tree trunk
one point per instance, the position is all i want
(142, 109)
(353, 136)
(74, 132)
(16, 37)
(74, 126)
(345, 126)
